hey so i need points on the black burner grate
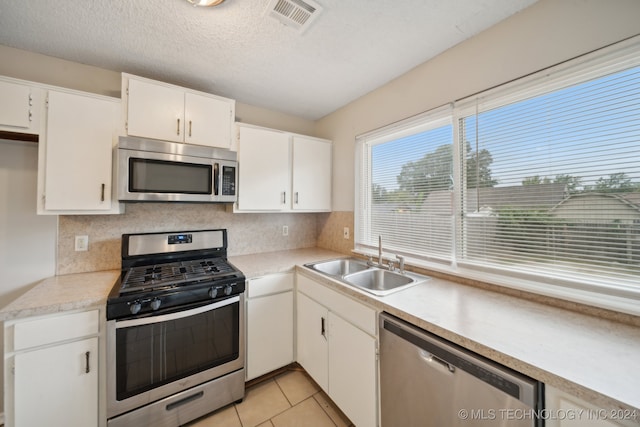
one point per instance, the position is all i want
(160, 275)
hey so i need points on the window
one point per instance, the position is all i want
(406, 196)
(538, 179)
(559, 181)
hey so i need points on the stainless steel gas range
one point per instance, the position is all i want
(175, 332)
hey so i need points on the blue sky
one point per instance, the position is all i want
(589, 130)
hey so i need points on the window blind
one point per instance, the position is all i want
(553, 185)
(406, 188)
(534, 184)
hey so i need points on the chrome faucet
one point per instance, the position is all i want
(380, 264)
(400, 259)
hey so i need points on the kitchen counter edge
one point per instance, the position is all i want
(62, 293)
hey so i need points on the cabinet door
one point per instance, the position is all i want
(208, 121)
(79, 142)
(263, 170)
(578, 412)
(352, 371)
(311, 174)
(269, 333)
(15, 105)
(155, 111)
(53, 387)
(312, 322)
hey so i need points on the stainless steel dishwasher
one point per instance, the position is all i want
(427, 381)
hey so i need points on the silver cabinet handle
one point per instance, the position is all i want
(284, 197)
(323, 331)
(178, 128)
(296, 198)
(102, 193)
(87, 368)
(189, 128)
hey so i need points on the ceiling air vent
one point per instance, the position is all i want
(298, 14)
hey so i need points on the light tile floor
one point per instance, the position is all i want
(290, 399)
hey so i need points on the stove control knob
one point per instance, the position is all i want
(213, 292)
(135, 307)
(155, 304)
(227, 290)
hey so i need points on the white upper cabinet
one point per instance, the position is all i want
(155, 111)
(162, 111)
(19, 106)
(75, 154)
(311, 174)
(263, 170)
(280, 171)
(208, 120)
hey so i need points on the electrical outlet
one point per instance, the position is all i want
(82, 243)
(285, 230)
(345, 232)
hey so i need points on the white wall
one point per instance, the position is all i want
(35, 67)
(547, 33)
(27, 241)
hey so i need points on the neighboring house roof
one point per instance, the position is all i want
(604, 207)
(490, 199)
(536, 196)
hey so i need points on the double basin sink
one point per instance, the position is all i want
(372, 279)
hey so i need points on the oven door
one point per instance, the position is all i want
(154, 357)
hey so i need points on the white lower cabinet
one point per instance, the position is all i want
(269, 323)
(337, 345)
(312, 343)
(352, 371)
(565, 410)
(57, 386)
(51, 371)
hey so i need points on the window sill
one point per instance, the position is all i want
(552, 292)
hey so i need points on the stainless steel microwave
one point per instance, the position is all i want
(161, 171)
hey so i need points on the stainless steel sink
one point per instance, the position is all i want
(357, 273)
(340, 267)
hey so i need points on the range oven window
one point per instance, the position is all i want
(154, 353)
(161, 176)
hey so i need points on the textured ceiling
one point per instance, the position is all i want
(238, 51)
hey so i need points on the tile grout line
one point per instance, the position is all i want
(279, 413)
(313, 396)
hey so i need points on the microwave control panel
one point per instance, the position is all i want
(228, 181)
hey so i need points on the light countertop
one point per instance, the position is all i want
(592, 358)
(62, 293)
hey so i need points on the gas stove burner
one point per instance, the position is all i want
(174, 273)
(163, 271)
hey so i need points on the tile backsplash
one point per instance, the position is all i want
(247, 232)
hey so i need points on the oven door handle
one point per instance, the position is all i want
(177, 315)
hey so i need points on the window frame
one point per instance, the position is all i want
(364, 240)
(608, 295)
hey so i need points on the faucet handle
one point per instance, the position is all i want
(391, 265)
(400, 258)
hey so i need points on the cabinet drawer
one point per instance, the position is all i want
(51, 329)
(357, 313)
(270, 284)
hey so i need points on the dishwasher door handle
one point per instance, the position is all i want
(436, 362)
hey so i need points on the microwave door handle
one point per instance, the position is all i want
(216, 178)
